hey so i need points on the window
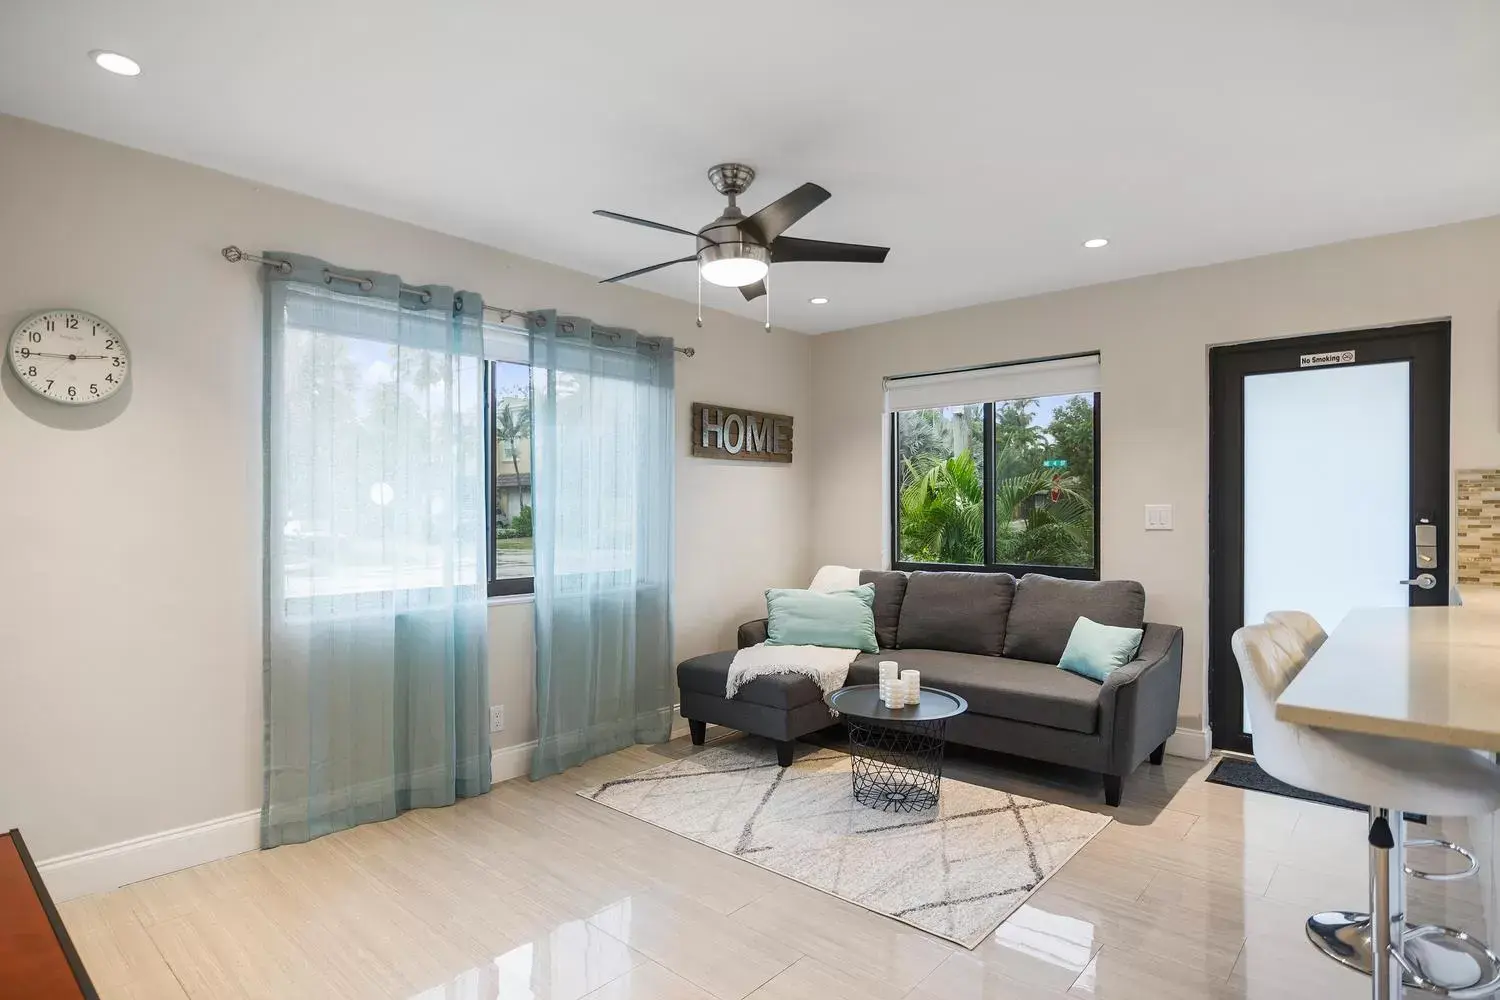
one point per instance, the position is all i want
(511, 548)
(1008, 484)
(940, 463)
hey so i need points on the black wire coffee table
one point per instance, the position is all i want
(897, 754)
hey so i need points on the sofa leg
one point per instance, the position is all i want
(1159, 754)
(1113, 783)
(784, 750)
(697, 730)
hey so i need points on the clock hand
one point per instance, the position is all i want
(70, 357)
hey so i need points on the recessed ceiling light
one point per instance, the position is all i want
(115, 63)
(818, 300)
(1096, 243)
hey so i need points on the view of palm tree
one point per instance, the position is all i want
(1043, 482)
(510, 384)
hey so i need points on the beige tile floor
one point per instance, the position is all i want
(1197, 891)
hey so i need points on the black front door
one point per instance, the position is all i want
(1328, 486)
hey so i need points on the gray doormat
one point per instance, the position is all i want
(1247, 774)
(955, 871)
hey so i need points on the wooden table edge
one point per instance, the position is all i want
(59, 931)
(1401, 729)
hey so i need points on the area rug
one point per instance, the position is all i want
(956, 871)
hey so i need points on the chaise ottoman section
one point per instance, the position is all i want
(781, 707)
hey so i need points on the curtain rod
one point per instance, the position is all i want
(235, 255)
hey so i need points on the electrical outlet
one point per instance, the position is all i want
(497, 718)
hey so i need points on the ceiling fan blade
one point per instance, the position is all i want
(642, 222)
(777, 217)
(753, 291)
(644, 270)
(786, 248)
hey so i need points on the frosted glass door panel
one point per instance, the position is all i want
(1327, 490)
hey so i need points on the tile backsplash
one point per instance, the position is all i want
(1479, 526)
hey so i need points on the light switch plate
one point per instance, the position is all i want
(1158, 517)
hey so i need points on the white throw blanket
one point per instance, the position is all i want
(825, 666)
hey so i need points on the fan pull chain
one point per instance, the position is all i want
(700, 298)
(768, 301)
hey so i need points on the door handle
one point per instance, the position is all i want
(1424, 580)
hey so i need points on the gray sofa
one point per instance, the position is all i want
(996, 642)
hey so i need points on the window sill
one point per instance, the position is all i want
(1015, 570)
(510, 599)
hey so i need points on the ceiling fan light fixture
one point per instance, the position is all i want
(734, 265)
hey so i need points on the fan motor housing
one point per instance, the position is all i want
(723, 238)
(737, 249)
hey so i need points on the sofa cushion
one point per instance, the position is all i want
(960, 612)
(1046, 608)
(1019, 690)
(709, 673)
(890, 588)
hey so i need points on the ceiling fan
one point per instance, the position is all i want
(737, 251)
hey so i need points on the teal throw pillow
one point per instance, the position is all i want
(842, 618)
(1094, 650)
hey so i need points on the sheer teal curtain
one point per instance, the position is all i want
(375, 672)
(602, 471)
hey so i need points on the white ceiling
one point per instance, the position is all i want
(983, 140)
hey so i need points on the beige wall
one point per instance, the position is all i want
(1153, 334)
(130, 583)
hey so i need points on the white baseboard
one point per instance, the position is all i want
(113, 865)
(511, 762)
(101, 869)
(515, 761)
(1194, 744)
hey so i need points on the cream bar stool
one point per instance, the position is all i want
(1300, 633)
(1392, 775)
(1303, 625)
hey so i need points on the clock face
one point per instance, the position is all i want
(69, 356)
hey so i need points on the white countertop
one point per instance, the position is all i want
(1429, 674)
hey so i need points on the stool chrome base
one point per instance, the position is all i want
(1437, 960)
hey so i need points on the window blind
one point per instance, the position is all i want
(993, 383)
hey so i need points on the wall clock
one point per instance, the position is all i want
(69, 356)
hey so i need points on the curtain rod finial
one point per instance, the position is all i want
(233, 254)
(688, 352)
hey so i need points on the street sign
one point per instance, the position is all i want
(1054, 463)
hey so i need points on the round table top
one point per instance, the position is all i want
(863, 701)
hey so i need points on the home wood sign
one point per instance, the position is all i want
(744, 435)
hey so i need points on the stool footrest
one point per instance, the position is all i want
(1443, 876)
(1344, 936)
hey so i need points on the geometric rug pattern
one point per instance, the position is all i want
(956, 871)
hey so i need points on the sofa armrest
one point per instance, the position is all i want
(752, 633)
(1138, 705)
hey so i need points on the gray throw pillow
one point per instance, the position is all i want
(890, 589)
(1046, 608)
(958, 612)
